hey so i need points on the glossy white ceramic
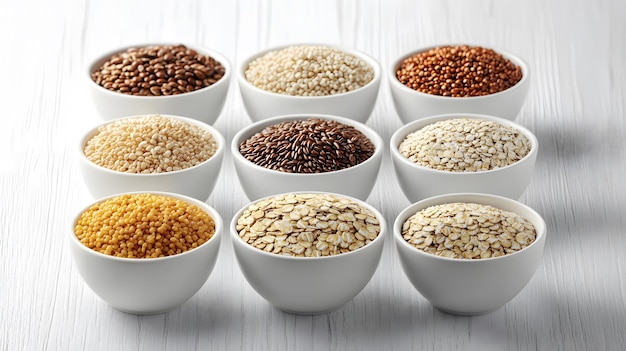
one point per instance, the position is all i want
(204, 104)
(197, 182)
(470, 287)
(413, 105)
(357, 104)
(308, 285)
(150, 285)
(419, 182)
(257, 182)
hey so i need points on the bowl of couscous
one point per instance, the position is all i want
(309, 78)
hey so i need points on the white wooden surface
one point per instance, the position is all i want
(576, 107)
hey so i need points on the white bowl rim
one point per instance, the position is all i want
(398, 136)
(219, 139)
(256, 127)
(223, 60)
(380, 237)
(511, 57)
(373, 63)
(479, 198)
(212, 212)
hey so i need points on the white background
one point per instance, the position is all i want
(577, 54)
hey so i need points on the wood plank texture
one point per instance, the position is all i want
(576, 107)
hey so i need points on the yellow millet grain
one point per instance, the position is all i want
(143, 226)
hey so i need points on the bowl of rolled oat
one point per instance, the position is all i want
(309, 78)
(151, 153)
(463, 153)
(174, 79)
(307, 152)
(469, 254)
(145, 252)
(308, 252)
(458, 78)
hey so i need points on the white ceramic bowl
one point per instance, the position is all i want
(356, 104)
(258, 181)
(203, 104)
(419, 182)
(147, 285)
(308, 285)
(470, 287)
(413, 105)
(197, 181)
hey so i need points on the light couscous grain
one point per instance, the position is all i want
(143, 226)
(150, 144)
(465, 145)
(468, 231)
(307, 225)
(306, 70)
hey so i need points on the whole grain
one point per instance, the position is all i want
(150, 144)
(307, 146)
(306, 70)
(465, 145)
(143, 226)
(158, 70)
(307, 225)
(468, 231)
(459, 71)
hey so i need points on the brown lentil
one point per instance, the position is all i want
(305, 70)
(143, 226)
(307, 146)
(307, 225)
(150, 144)
(158, 70)
(468, 231)
(459, 71)
(465, 145)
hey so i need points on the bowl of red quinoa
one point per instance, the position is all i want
(309, 78)
(151, 153)
(463, 152)
(458, 78)
(145, 252)
(167, 78)
(307, 152)
(308, 252)
(469, 253)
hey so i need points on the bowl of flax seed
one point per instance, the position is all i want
(458, 78)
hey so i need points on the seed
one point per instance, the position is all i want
(143, 226)
(307, 146)
(465, 145)
(308, 237)
(309, 71)
(150, 144)
(459, 71)
(159, 67)
(464, 242)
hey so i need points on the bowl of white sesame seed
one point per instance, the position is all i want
(469, 253)
(167, 78)
(309, 78)
(151, 153)
(308, 252)
(458, 78)
(463, 152)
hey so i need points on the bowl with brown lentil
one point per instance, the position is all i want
(151, 153)
(458, 78)
(167, 78)
(463, 153)
(308, 252)
(309, 78)
(145, 253)
(469, 253)
(307, 152)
